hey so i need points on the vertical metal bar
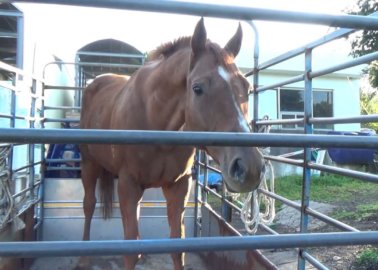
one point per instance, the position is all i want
(256, 53)
(12, 122)
(196, 193)
(40, 215)
(308, 107)
(77, 80)
(20, 42)
(205, 178)
(31, 147)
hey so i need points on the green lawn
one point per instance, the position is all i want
(327, 188)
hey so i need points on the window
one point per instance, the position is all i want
(291, 106)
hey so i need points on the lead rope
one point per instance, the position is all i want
(253, 217)
(6, 198)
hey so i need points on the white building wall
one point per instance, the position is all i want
(345, 89)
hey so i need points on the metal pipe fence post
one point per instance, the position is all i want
(205, 178)
(41, 191)
(196, 172)
(308, 129)
(31, 146)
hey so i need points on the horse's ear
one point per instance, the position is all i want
(234, 44)
(199, 38)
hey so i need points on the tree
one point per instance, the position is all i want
(366, 42)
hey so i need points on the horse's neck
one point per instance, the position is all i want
(165, 91)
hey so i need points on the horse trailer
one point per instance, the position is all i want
(41, 216)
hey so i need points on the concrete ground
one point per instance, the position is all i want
(289, 218)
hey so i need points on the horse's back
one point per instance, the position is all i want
(98, 98)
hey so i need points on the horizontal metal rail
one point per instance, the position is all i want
(331, 221)
(267, 229)
(323, 120)
(62, 108)
(296, 162)
(313, 261)
(9, 116)
(13, 13)
(54, 168)
(62, 160)
(345, 172)
(57, 87)
(27, 166)
(225, 11)
(97, 64)
(295, 79)
(293, 53)
(344, 120)
(280, 121)
(15, 70)
(78, 136)
(60, 120)
(25, 190)
(121, 55)
(210, 167)
(351, 63)
(123, 247)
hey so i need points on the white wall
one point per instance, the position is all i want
(345, 89)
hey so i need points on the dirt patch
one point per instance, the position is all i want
(339, 257)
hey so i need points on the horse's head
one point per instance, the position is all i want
(217, 100)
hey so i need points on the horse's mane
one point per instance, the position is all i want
(167, 49)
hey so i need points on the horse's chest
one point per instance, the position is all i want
(155, 166)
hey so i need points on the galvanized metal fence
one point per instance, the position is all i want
(308, 140)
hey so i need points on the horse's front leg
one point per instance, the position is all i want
(177, 196)
(130, 195)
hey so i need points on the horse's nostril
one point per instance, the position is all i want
(237, 170)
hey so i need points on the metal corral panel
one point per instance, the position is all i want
(214, 225)
(63, 217)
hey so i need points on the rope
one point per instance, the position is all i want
(251, 213)
(6, 199)
(253, 217)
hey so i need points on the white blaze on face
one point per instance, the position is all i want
(224, 74)
(243, 122)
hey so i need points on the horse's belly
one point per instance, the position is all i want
(104, 156)
(156, 167)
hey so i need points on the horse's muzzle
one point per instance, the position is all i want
(238, 171)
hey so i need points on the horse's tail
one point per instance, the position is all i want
(106, 193)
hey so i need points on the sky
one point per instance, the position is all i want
(62, 30)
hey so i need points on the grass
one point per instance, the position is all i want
(328, 188)
(367, 259)
(331, 189)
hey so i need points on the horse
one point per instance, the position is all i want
(190, 84)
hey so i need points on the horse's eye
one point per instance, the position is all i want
(197, 89)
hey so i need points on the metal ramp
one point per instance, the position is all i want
(63, 217)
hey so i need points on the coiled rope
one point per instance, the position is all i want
(6, 199)
(257, 207)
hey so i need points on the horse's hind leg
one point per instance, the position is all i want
(130, 195)
(89, 174)
(177, 196)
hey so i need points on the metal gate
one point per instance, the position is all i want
(34, 136)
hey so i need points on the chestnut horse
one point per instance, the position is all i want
(190, 84)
